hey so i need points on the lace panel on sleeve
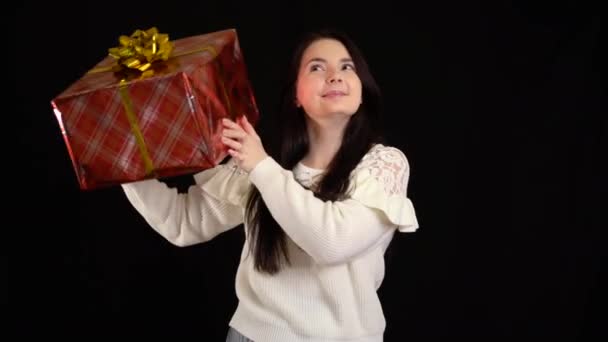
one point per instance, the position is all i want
(389, 167)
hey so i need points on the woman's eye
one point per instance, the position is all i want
(348, 67)
(315, 67)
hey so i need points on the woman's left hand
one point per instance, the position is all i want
(244, 144)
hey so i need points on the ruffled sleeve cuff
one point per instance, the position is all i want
(375, 192)
(226, 182)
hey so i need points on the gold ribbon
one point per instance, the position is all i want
(135, 57)
(139, 137)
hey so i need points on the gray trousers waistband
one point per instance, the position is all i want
(235, 336)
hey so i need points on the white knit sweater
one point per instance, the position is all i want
(329, 292)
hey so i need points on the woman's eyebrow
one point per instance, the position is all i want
(322, 60)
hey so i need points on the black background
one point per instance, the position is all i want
(499, 106)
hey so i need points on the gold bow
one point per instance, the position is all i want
(139, 51)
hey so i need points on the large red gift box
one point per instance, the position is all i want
(134, 117)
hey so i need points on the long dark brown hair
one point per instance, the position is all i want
(267, 241)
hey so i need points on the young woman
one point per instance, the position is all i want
(319, 210)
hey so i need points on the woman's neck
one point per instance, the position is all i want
(324, 142)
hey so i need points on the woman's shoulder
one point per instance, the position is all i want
(383, 166)
(381, 181)
(384, 155)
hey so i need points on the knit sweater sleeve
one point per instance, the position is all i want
(212, 206)
(335, 232)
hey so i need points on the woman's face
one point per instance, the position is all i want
(328, 84)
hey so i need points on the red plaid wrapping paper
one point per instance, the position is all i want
(178, 113)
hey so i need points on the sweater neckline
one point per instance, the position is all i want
(309, 169)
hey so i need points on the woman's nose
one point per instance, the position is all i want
(335, 77)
